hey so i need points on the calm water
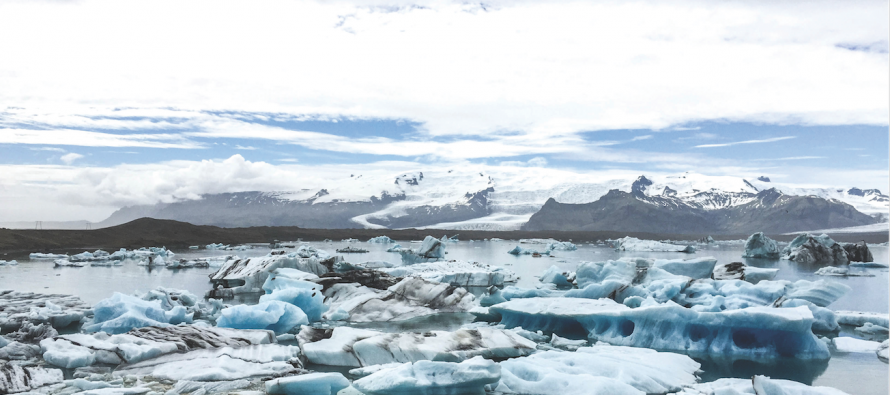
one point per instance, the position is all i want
(853, 373)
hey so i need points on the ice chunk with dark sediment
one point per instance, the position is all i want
(602, 369)
(344, 346)
(79, 349)
(247, 275)
(858, 252)
(463, 273)
(410, 298)
(432, 377)
(59, 311)
(219, 364)
(431, 249)
(635, 244)
(750, 333)
(308, 384)
(809, 248)
(760, 246)
(740, 271)
(757, 385)
(15, 378)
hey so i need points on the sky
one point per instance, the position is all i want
(105, 104)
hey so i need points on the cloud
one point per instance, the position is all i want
(70, 157)
(94, 139)
(788, 158)
(453, 68)
(769, 140)
(645, 137)
(247, 148)
(53, 149)
(533, 162)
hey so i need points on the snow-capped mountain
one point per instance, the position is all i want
(493, 198)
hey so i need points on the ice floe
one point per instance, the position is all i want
(431, 249)
(601, 369)
(635, 244)
(462, 273)
(247, 275)
(410, 298)
(344, 346)
(751, 333)
(16, 378)
(860, 318)
(758, 385)
(740, 271)
(432, 377)
(840, 272)
(274, 315)
(308, 384)
(59, 311)
(40, 255)
(381, 240)
(217, 364)
(853, 345)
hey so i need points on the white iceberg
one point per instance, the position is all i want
(601, 369)
(556, 276)
(309, 384)
(344, 346)
(693, 268)
(429, 377)
(273, 315)
(381, 240)
(860, 318)
(463, 273)
(853, 345)
(635, 244)
(218, 364)
(431, 249)
(758, 385)
(410, 298)
(39, 255)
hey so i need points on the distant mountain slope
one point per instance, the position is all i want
(505, 198)
(768, 211)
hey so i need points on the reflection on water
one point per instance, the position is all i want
(854, 373)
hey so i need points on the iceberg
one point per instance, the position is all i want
(273, 315)
(750, 333)
(528, 251)
(8, 263)
(79, 349)
(431, 249)
(308, 384)
(871, 265)
(395, 248)
(566, 344)
(16, 378)
(858, 252)
(760, 246)
(740, 271)
(693, 268)
(840, 272)
(556, 276)
(432, 377)
(121, 313)
(853, 345)
(634, 244)
(757, 385)
(247, 275)
(860, 318)
(872, 329)
(410, 298)
(39, 255)
(291, 286)
(462, 273)
(884, 351)
(58, 311)
(345, 346)
(601, 369)
(381, 240)
(218, 364)
(807, 248)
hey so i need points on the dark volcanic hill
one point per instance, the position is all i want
(770, 211)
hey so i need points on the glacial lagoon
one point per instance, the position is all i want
(854, 373)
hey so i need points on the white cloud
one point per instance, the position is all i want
(70, 157)
(645, 137)
(247, 148)
(94, 139)
(454, 67)
(769, 140)
(53, 149)
(788, 158)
